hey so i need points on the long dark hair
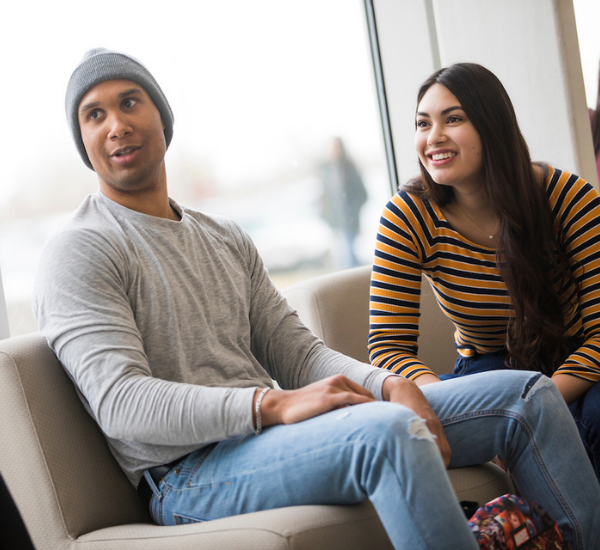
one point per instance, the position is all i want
(529, 246)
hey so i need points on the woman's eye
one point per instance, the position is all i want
(421, 123)
(129, 103)
(94, 114)
(453, 119)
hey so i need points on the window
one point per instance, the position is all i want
(587, 14)
(263, 92)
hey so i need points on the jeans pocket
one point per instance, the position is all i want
(181, 519)
(196, 460)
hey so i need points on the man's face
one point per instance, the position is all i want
(123, 136)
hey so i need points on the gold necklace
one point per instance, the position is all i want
(476, 226)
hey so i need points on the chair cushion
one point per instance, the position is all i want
(298, 528)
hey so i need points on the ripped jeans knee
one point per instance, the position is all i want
(417, 429)
(537, 381)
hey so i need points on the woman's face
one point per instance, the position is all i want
(447, 143)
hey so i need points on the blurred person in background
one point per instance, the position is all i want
(343, 196)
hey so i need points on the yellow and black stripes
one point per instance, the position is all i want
(414, 238)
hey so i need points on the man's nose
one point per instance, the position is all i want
(119, 126)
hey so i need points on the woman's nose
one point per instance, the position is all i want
(436, 135)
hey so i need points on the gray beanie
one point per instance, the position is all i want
(98, 65)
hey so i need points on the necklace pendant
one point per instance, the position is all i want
(491, 236)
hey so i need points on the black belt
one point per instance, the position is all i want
(156, 473)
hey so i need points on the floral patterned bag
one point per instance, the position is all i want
(513, 523)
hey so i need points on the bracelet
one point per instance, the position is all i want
(257, 410)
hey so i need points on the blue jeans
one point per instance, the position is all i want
(383, 452)
(585, 411)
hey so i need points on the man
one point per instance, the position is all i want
(171, 330)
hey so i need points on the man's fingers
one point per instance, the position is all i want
(343, 398)
(318, 398)
(349, 385)
(405, 392)
(441, 442)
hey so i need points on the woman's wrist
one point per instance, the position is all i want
(428, 378)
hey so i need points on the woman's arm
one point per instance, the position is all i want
(571, 387)
(427, 378)
(576, 205)
(396, 292)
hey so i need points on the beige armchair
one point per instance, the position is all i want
(72, 494)
(336, 308)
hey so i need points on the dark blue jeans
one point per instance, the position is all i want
(585, 411)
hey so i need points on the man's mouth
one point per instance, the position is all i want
(126, 155)
(124, 151)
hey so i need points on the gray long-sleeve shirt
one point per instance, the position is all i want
(167, 328)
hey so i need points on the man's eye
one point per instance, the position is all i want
(129, 103)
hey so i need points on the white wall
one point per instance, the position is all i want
(531, 46)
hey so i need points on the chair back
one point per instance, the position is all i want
(53, 456)
(336, 308)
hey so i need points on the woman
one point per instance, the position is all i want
(511, 248)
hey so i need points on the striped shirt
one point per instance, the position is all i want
(414, 238)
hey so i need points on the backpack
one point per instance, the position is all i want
(513, 523)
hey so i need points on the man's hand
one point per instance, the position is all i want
(291, 406)
(405, 392)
